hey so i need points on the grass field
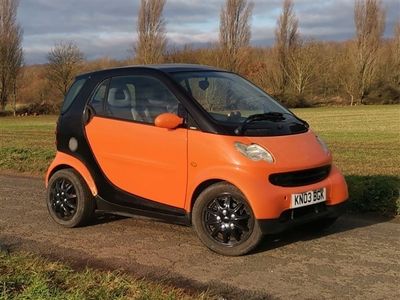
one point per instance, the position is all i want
(27, 143)
(364, 140)
(24, 276)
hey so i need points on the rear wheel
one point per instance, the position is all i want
(224, 221)
(69, 200)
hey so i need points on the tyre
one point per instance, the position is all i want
(224, 221)
(69, 200)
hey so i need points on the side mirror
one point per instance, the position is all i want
(168, 121)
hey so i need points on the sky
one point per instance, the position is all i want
(107, 28)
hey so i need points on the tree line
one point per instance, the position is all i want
(297, 70)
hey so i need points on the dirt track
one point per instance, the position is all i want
(357, 258)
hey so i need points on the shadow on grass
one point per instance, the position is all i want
(372, 200)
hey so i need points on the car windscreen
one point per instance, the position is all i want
(227, 97)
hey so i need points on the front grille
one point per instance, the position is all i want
(299, 178)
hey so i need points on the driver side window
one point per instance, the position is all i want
(139, 98)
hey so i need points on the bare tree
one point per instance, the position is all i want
(396, 54)
(11, 55)
(369, 19)
(151, 44)
(64, 61)
(234, 31)
(302, 63)
(286, 39)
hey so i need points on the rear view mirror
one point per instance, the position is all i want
(204, 84)
(168, 121)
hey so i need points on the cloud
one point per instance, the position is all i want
(108, 28)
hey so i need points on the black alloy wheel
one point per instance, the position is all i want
(63, 199)
(224, 220)
(69, 201)
(228, 220)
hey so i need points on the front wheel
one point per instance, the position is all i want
(224, 221)
(69, 200)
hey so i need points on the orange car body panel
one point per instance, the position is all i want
(63, 159)
(144, 160)
(214, 157)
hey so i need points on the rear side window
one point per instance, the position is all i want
(72, 93)
(99, 96)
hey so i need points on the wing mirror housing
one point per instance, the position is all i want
(168, 121)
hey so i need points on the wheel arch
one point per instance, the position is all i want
(65, 161)
(201, 187)
(209, 182)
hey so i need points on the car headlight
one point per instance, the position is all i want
(323, 144)
(254, 152)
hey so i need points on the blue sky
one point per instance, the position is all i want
(108, 28)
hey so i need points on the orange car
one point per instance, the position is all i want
(193, 145)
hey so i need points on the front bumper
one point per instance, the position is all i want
(294, 217)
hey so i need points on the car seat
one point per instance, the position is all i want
(122, 105)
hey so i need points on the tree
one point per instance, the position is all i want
(234, 31)
(396, 55)
(302, 65)
(151, 43)
(11, 55)
(286, 41)
(369, 20)
(64, 61)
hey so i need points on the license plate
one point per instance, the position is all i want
(308, 198)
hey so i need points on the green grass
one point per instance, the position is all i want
(27, 143)
(24, 276)
(364, 140)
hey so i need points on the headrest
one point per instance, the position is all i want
(119, 97)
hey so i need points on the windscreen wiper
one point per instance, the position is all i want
(270, 116)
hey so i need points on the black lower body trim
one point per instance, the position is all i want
(298, 216)
(108, 207)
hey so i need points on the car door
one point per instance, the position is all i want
(135, 155)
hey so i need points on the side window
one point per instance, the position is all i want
(139, 98)
(72, 93)
(99, 96)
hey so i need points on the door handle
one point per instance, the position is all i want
(89, 114)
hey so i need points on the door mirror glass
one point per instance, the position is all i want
(168, 120)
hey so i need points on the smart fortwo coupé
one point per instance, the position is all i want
(193, 145)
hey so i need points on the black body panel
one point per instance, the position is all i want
(128, 211)
(299, 216)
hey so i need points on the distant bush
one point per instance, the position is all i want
(374, 194)
(5, 113)
(386, 94)
(34, 109)
(294, 101)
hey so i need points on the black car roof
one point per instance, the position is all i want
(167, 68)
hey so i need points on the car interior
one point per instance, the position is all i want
(139, 102)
